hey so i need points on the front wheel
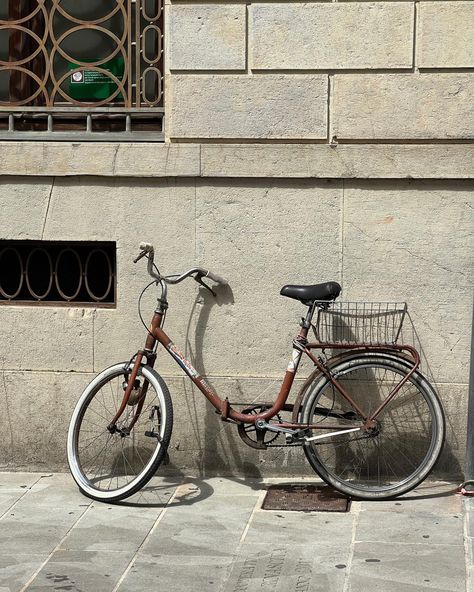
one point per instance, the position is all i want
(110, 465)
(398, 452)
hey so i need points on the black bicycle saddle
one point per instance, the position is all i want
(326, 291)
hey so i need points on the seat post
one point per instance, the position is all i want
(306, 322)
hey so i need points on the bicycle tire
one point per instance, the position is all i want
(128, 461)
(365, 466)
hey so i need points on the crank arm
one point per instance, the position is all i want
(261, 424)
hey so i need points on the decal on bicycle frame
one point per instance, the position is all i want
(185, 365)
(294, 362)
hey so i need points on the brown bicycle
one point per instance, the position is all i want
(369, 422)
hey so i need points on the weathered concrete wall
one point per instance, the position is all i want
(383, 240)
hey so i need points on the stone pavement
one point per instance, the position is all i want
(211, 535)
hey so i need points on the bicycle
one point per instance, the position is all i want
(370, 424)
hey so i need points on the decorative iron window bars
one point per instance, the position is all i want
(58, 272)
(88, 68)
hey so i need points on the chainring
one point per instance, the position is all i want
(248, 432)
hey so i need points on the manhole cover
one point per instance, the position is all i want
(305, 498)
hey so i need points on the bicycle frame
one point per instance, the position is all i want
(224, 408)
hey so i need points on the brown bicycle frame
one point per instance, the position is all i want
(224, 408)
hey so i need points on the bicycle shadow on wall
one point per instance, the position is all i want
(192, 489)
(448, 465)
(219, 452)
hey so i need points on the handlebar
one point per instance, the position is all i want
(197, 272)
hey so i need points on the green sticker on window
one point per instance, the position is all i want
(91, 85)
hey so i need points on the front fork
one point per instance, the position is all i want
(150, 356)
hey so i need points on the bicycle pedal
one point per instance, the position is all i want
(153, 434)
(298, 436)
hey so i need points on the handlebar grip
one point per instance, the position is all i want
(216, 278)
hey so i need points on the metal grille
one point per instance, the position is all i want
(42, 272)
(374, 323)
(89, 68)
(305, 498)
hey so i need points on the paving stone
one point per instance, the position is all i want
(33, 531)
(18, 481)
(17, 568)
(111, 528)
(212, 526)
(438, 498)
(407, 568)
(408, 527)
(469, 509)
(156, 493)
(55, 490)
(13, 486)
(7, 500)
(177, 573)
(81, 571)
(42, 517)
(288, 568)
(303, 528)
(222, 486)
(198, 543)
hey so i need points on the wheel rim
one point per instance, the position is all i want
(108, 464)
(399, 449)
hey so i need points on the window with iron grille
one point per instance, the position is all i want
(81, 68)
(58, 272)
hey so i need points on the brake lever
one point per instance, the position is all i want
(137, 259)
(198, 279)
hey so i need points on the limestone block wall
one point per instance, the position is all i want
(304, 142)
(321, 71)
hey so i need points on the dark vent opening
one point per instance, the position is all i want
(58, 272)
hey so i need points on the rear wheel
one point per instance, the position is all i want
(112, 465)
(402, 448)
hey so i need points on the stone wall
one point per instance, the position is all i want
(327, 71)
(305, 142)
(383, 240)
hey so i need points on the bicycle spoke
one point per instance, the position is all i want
(111, 460)
(395, 448)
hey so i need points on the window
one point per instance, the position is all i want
(90, 68)
(57, 272)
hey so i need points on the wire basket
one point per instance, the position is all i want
(371, 323)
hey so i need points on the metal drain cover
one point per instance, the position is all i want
(305, 498)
